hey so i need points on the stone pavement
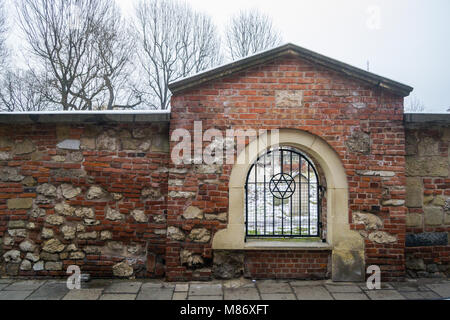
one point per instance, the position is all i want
(241, 289)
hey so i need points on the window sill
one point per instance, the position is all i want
(285, 245)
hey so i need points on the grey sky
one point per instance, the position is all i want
(410, 42)
(404, 40)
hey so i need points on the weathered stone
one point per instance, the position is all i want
(114, 215)
(144, 146)
(428, 146)
(10, 174)
(370, 221)
(193, 213)
(428, 199)
(53, 246)
(41, 199)
(85, 212)
(17, 224)
(12, 269)
(29, 181)
(160, 218)
(53, 266)
(117, 196)
(68, 232)
(427, 166)
(228, 265)
(288, 98)
(370, 173)
(208, 168)
(200, 235)
(359, 142)
(139, 216)
(115, 245)
(413, 220)
(37, 212)
(77, 255)
(88, 235)
(74, 157)
(69, 144)
(31, 226)
(32, 257)
(91, 222)
(12, 256)
(71, 248)
(27, 246)
(415, 264)
(38, 266)
(47, 190)
(54, 219)
(414, 192)
(19, 203)
(382, 237)
(24, 147)
(160, 143)
(129, 144)
(5, 156)
(106, 235)
(91, 250)
(95, 192)
(175, 233)
(7, 241)
(439, 201)
(393, 202)
(25, 265)
(59, 158)
(181, 194)
(106, 141)
(190, 259)
(69, 191)
(21, 233)
(87, 143)
(47, 233)
(80, 228)
(122, 269)
(426, 239)
(433, 216)
(64, 209)
(49, 256)
(151, 193)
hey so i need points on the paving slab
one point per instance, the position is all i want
(2, 281)
(26, 285)
(274, 287)
(52, 290)
(442, 289)
(182, 287)
(14, 295)
(420, 295)
(241, 294)
(343, 289)
(312, 293)
(123, 287)
(205, 290)
(96, 284)
(385, 295)
(350, 296)
(385, 286)
(118, 296)
(180, 295)
(83, 294)
(3, 285)
(148, 293)
(205, 298)
(277, 296)
(301, 283)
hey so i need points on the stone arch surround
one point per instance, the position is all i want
(347, 246)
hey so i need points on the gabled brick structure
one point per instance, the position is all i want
(107, 197)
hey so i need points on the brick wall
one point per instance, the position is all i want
(428, 199)
(363, 125)
(87, 195)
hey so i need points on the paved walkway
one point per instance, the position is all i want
(241, 289)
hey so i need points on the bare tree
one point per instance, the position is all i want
(414, 105)
(18, 93)
(3, 31)
(174, 42)
(249, 32)
(78, 52)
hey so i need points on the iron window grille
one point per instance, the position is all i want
(283, 196)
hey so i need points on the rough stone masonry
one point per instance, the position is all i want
(100, 190)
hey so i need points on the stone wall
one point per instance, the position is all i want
(363, 124)
(427, 199)
(87, 195)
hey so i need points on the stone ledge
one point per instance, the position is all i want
(285, 245)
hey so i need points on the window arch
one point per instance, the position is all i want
(282, 196)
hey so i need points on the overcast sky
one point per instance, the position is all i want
(404, 40)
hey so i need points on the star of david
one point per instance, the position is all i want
(282, 186)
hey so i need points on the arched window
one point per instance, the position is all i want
(282, 196)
